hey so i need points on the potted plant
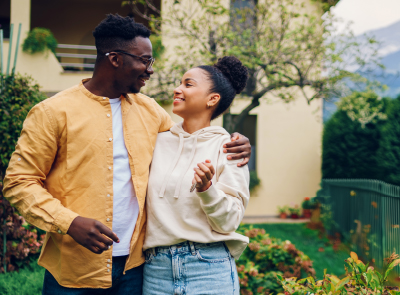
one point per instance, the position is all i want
(283, 211)
(294, 212)
(307, 207)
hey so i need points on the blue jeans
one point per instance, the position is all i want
(130, 283)
(190, 268)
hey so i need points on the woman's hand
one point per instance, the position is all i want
(203, 174)
(240, 147)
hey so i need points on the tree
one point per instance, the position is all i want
(389, 147)
(352, 137)
(289, 53)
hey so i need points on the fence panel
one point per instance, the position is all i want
(367, 212)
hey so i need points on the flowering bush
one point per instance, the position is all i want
(359, 279)
(18, 94)
(22, 241)
(265, 258)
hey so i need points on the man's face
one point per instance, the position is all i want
(133, 73)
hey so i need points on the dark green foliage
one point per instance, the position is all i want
(349, 151)
(18, 94)
(254, 180)
(39, 40)
(389, 150)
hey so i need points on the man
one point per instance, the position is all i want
(81, 165)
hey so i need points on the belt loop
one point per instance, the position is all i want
(192, 248)
(153, 251)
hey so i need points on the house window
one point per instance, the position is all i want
(249, 129)
(5, 18)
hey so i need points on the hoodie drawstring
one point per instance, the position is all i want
(179, 184)
(168, 175)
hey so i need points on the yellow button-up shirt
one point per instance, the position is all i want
(62, 168)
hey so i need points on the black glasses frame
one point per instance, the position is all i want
(147, 61)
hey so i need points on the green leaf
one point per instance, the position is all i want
(342, 282)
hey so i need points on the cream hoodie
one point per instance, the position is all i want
(175, 215)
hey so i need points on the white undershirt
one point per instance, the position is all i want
(125, 204)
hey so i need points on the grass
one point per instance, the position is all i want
(307, 241)
(28, 281)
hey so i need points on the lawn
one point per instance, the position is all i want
(28, 281)
(307, 241)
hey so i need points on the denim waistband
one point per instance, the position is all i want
(184, 247)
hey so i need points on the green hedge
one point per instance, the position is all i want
(373, 152)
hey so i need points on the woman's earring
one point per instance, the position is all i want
(208, 106)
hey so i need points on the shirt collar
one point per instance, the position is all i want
(96, 97)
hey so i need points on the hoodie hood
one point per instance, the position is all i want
(203, 134)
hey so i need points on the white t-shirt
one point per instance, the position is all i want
(125, 204)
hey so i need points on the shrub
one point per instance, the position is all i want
(349, 150)
(18, 94)
(39, 40)
(266, 257)
(254, 180)
(359, 279)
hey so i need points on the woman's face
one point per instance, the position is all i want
(192, 95)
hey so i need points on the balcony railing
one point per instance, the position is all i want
(76, 57)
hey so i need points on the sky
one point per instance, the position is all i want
(368, 15)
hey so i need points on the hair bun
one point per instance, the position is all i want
(234, 70)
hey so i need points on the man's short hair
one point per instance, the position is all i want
(117, 32)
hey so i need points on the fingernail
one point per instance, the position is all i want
(224, 145)
(229, 157)
(225, 151)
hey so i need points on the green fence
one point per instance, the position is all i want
(367, 213)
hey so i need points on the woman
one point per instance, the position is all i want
(190, 240)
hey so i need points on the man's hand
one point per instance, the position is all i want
(240, 146)
(92, 234)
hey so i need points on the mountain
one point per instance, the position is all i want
(389, 36)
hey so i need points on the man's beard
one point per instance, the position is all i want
(133, 89)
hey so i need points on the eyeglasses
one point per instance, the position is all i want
(146, 61)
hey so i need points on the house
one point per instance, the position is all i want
(286, 138)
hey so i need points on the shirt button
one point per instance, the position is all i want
(108, 115)
(110, 139)
(108, 265)
(108, 195)
(108, 260)
(19, 159)
(108, 219)
(108, 270)
(104, 97)
(109, 168)
(59, 231)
